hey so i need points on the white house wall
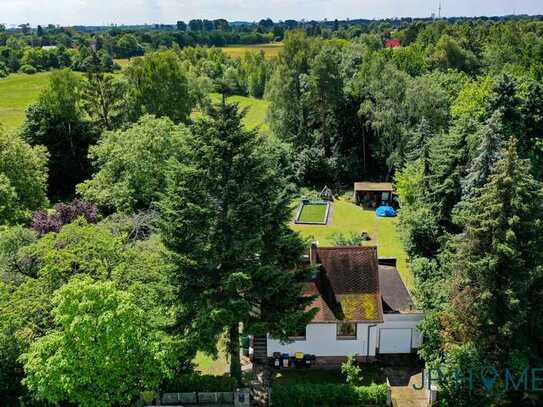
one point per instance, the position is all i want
(321, 340)
(404, 321)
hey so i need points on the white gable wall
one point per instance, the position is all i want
(321, 340)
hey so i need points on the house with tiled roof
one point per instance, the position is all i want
(364, 308)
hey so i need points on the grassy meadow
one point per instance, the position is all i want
(17, 92)
(270, 50)
(347, 218)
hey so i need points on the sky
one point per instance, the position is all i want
(105, 12)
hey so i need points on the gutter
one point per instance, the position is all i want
(368, 346)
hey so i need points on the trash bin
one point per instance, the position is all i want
(309, 360)
(245, 344)
(286, 360)
(299, 360)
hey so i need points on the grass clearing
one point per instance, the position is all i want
(257, 110)
(123, 63)
(270, 50)
(312, 213)
(18, 91)
(206, 364)
(347, 218)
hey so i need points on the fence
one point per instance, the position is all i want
(238, 398)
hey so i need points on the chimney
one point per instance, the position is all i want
(313, 252)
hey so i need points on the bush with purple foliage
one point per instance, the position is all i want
(64, 213)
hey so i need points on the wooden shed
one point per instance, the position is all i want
(373, 194)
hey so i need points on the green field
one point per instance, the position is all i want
(270, 50)
(17, 92)
(312, 213)
(347, 218)
(256, 110)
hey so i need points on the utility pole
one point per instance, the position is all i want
(439, 13)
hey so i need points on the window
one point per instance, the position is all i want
(299, 336)
(346, 330)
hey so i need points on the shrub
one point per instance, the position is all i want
(309, 395)
(64, 213)
(353, 371)
(3, 70)
(192, 382)
(28, 69)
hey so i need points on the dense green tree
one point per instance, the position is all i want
(224, 219)
(288, 112)
(450, 158)
(158, 85)
(102, 350)
(448, 54)
(491, 139)
(132, 164)
(56, 122)
(507, 102)
(530, 142)
(104, 100)
(498, 266)
(23, 179)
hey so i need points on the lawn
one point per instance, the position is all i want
(208, 365)
(18, 92)
(256, 110)
(270, 50)
(312, 213)
(347, 218)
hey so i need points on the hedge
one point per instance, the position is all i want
(309, 395)
(192, 382)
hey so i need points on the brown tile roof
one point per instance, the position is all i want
(373, 187)
(346, 285)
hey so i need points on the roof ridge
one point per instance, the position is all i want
(348, 248)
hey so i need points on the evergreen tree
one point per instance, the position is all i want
(419, 140)
(507, 102)
(449, 160)
(498, 268)
(488, 152)
(224, 219)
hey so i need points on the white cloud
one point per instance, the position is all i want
(71, 12)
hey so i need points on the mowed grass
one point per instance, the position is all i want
(206, 364)
(17, 92)
(270, 50)
(347, 218)
(256, 110)
(312, 213)
(123, 63)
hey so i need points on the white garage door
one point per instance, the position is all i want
(394, 340)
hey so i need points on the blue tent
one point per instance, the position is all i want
(385, 212)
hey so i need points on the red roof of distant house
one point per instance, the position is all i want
(392, 43)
